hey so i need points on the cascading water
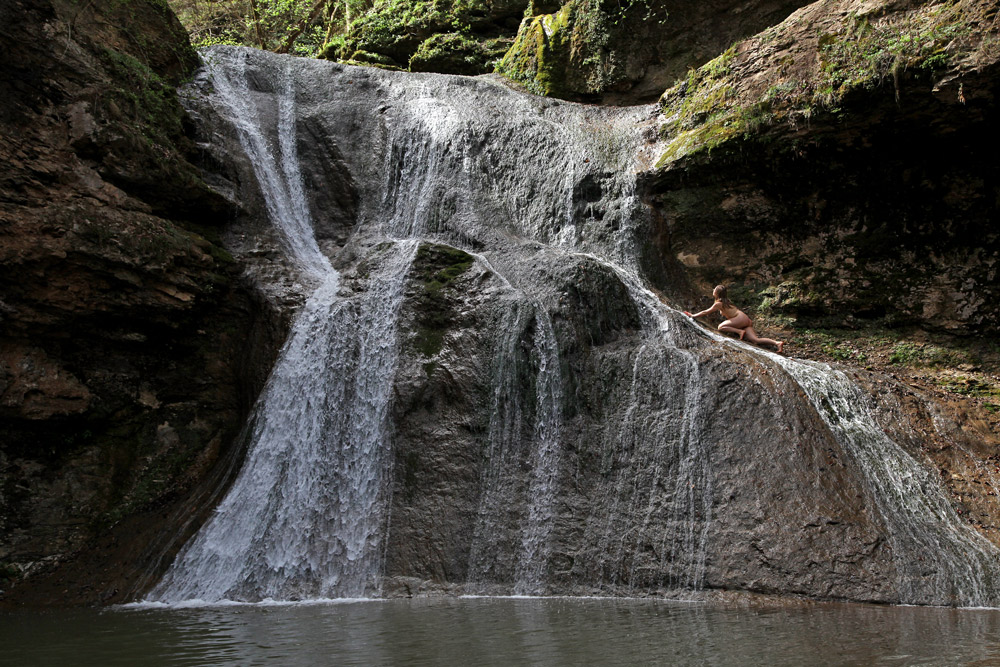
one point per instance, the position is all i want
(506, 434)
(304, 518)
(279, 175)
(937, 555)
(606, 422)
(684, 464)
(530, 575)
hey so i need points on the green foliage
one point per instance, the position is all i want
(842, 352)
(450, 36)
(702, 113)
(333, 48)
(9, 572)
(455, 36)
(441, 265)
(452, 53)
(647, 9)
(969, 386)
(775, 306)
(976, 387)
(538, 58)
(302, 27)
(866, 53)
(368, 58)
(389, 20)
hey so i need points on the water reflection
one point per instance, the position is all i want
(498, 631)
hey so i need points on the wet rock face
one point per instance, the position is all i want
(961, 444)
(130, 349)
(661, 481)
(685, 465)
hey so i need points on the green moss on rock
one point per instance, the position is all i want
(573, 52)
(763, 82)
(540, 53)
(375, 59)
(590, 50)
(447, 36)
(457, 53)
(436, 267)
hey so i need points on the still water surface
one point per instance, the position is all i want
(503, 631)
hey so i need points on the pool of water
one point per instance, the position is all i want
(502, 631)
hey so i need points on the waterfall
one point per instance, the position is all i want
(682, 462)
(937, 555)
(530, 576)
(304, 517)
(597, 456)
(507, 436)
(279, 175)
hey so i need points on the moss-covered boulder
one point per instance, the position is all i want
(626, 51)
(457, 53)
(826, 60)
(540, 57)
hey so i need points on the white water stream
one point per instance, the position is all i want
(530, 574)
(305, 517)
(937, 554)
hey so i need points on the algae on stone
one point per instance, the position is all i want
(577, 51)
(813, 64)
(436, 267)
(447, 36)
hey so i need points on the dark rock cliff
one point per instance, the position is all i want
(130, 350)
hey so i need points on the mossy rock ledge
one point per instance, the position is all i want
(834, 165)
(626, 52)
